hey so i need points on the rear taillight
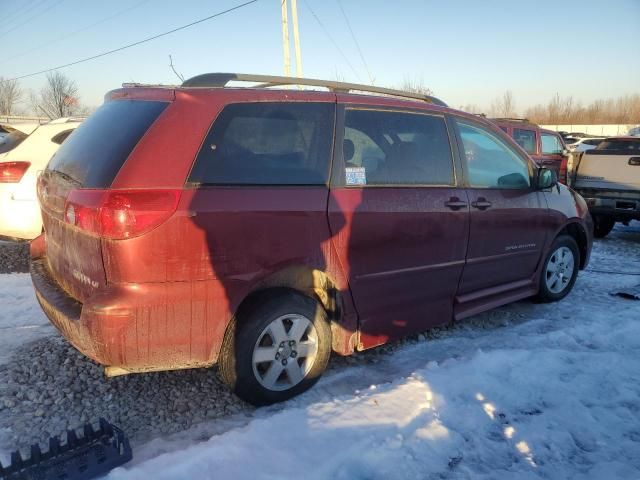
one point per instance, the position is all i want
(12, 172)
(120, 214)
(562, 177)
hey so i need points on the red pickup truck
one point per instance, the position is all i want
(546, 147)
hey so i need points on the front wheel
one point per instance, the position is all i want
(277, 348)
(560, 269)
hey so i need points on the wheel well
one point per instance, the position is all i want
(576, 231)
(307, 281)
(311, 282)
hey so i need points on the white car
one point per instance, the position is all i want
(19, 168)
(584, 144)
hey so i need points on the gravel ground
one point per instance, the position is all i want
(14, 257)
(48, 387)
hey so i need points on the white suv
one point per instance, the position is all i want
(19, 167)
(583, 144)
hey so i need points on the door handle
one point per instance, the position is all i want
(454, 203)
(634, 161)
(481, 203)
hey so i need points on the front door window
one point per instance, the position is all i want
(490, 162)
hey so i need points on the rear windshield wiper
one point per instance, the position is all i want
(66, 177)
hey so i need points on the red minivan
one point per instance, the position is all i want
(262, 229)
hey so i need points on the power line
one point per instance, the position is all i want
(71, 34)
(119, 49)
(16, 13)
(355, 40)
(33, 17)
(332, 40)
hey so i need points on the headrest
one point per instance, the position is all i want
(348, 149)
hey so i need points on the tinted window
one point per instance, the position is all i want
(61, 137)
(11, 141)
(395, 148)
(551, 144)
(96, 151)
(526, 139)
(594, 141)
(267, 144)
(622, 146)
(491, 162)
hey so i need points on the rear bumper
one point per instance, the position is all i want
(138, 328)
(621, 207)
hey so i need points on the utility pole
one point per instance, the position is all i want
(296, 38)
(285, 39)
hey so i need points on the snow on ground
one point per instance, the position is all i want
(21, 319)
(525, 391)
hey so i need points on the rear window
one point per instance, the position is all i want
(11, 141)
(630, 146)
(94, 154)
(267, 144)
(526, 139)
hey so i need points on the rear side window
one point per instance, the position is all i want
(526, 139)
(631, 146)
(11, 141)
(267, 144)
(396, 148)
(551, 144)
(61, 137)
(96, 151)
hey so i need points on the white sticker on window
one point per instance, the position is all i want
(355, 175)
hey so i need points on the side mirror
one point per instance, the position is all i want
(546, 178)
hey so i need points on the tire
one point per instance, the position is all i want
(270, 329)
(602, 226)
(563, 260)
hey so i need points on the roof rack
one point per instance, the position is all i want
(220, 80)
(509, 119)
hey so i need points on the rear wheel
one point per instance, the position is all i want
(602, 226)
(277, 348)
(560, 269)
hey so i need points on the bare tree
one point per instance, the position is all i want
(471, 108)
(415, 86)
(10, 95)
(503, 106)
(59, 97)
(564, 110)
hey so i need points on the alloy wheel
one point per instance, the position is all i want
(559, 270)
(285, 352)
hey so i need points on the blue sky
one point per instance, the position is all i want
(466, 51)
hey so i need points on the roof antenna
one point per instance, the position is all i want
(179, 75)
